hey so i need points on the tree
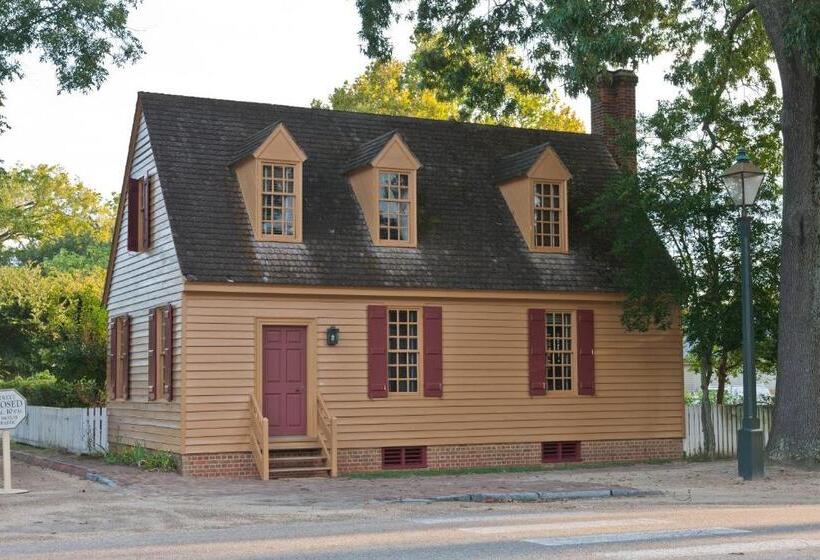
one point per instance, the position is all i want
(52, 322)
(395, 88)
(80, 38)
(717, 48)
(46, 216)
(681, 191)
(54, 242)
(383, 89)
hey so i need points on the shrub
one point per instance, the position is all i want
(45, 389)
(138, 456)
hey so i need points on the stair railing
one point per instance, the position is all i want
(328, 430)
(259, 438)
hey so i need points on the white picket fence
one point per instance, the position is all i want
(77, 430)
(727, 420)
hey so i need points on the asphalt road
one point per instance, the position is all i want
(635, 533)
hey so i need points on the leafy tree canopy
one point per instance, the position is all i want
(54, 241)
(45, 216)
(80, 38)
(417, 89)
(52, 322)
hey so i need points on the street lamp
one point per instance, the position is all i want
(743, 180)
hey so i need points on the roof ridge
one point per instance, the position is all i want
(451, 122)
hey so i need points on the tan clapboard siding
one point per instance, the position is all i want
(638, 375)
(139, 282)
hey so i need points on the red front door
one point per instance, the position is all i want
(284, 376)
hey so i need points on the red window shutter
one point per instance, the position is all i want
(433, 376)
(168, 358)
(376, 351)
(145, 207)
(125, 345)
(586, 350)
(133, 214)
(537, 339)
(113, 354)
(152, 355)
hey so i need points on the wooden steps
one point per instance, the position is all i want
(297, 457)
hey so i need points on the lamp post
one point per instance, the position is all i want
(743, 180)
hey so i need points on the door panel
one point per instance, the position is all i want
(284, 388)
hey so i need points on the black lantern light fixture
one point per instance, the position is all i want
(332, 335)
(743, 180)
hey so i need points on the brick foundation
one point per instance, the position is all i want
(631, 450)
(516, 454)
(359, 460)
(484, 455)
(214, 465)
(241, 465)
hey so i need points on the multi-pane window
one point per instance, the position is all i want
(394, 206)
(278, 200)
(558, 351)
(547, 217)
(402, 351)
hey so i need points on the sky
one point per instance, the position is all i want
(274, 51)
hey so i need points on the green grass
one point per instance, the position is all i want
(400, 473)
(138, 456)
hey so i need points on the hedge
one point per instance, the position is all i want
(44, 389)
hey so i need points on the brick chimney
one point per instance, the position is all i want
(613, 114)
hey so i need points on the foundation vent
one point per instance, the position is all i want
(560, 451)
(404, 457)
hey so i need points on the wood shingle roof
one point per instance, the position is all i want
(467, 238)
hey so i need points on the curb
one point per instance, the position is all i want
(523, 497)
(60, 466)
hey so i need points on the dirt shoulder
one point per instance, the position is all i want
(60, 504)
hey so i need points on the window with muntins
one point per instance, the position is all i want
(402, 351)
(547, 215)
(558, 351)
(394, 206)
(278, 200)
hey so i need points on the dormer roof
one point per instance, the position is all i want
(371, 152)
(525, 162)
(255, 144)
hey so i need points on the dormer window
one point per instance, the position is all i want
(394, 206)
(534, 184)
(382, 174)
(548, 215)
(269, 170)
(278, 199)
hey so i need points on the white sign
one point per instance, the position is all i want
(12, 409)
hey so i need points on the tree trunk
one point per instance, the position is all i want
(721, 379)
(796, 430)
(706, 422)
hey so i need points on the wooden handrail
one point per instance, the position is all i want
(259, 438)
(328, 430)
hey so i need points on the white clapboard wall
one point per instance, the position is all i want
(77, 430)
(727, 420)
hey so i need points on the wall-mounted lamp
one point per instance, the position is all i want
(332, 336)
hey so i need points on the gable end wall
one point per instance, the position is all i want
(139, 282)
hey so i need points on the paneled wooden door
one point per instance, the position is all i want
(284, 380)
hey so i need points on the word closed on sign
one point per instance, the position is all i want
(12, 409)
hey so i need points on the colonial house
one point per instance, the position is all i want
(303, 291)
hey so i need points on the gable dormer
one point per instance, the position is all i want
(382, 174)
(534, 184)
(269, 169)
